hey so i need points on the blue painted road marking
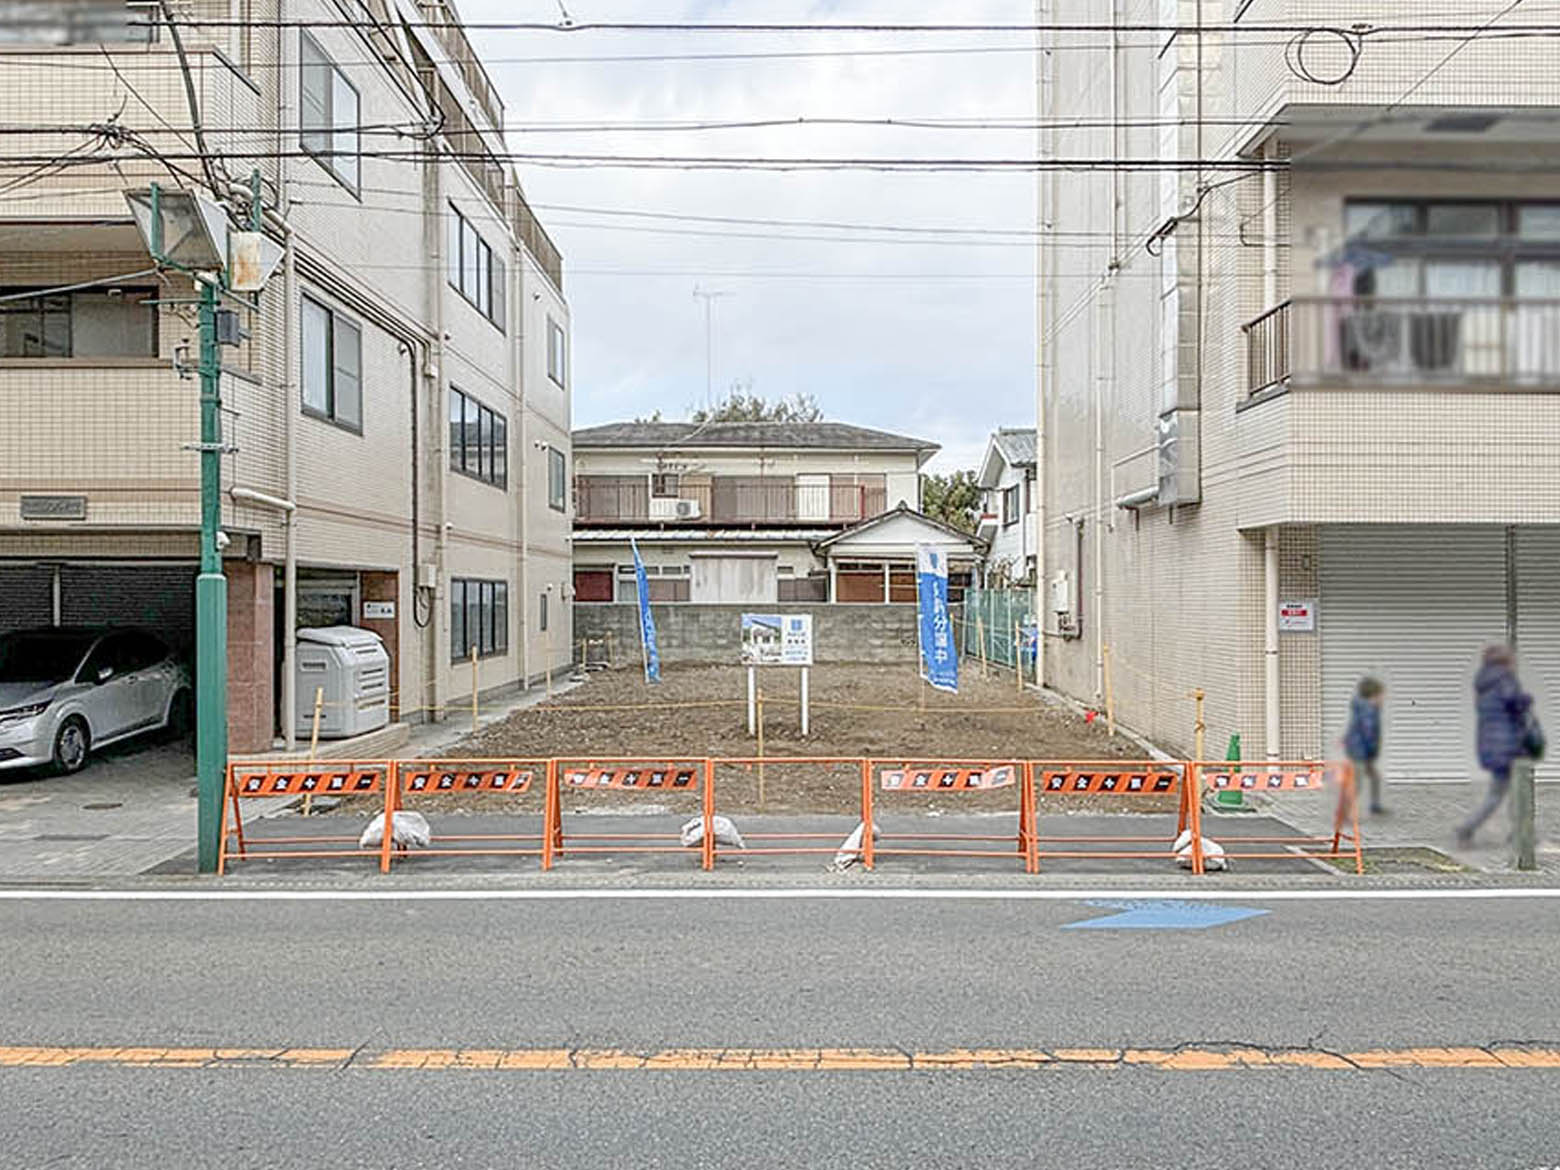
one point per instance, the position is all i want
(1163, 915)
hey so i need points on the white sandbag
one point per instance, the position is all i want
(1212, 851)
(725, 833)
(850, 848)
(407, 829)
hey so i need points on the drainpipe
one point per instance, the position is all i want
(290, 523)
(1101, 380)
(435, 662)
(1270, 642)
(1042, 344)
(1270, 234)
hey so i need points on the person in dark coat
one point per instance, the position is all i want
(1505, 716)
(1362, 740)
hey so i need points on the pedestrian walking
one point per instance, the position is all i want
(1362, 739)
(1508, 731)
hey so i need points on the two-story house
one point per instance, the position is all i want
(1300, 383)
(396, 421)
(753, 513)
(1007, 507)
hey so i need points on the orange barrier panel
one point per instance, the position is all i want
(653, 777)
(1298, 776)
(473, 778)
(926, 777)
(1110, 778)
(269, 779)
(783, 843)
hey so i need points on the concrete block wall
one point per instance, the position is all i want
(712, 633)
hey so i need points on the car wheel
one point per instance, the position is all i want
(181, 715)
(72, 744)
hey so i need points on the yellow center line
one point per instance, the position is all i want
(1187, 1058)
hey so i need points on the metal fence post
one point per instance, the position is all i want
(1524, 837)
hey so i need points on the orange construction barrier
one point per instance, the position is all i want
(268, 779)
(926, 777)
(1290, 776)
(651, 777)
(1125, 778)
(785, 843)
(474, 778)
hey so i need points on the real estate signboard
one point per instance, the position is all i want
(777, 639)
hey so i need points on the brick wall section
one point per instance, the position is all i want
(712, 633)
(251, 626)
(386, 587)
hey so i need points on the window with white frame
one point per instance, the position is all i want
(667, 583)
(479, 618)
(1010, 512)
(479, 440)
(557, 353)
(475, 270)
(328, 113)
(332, 366)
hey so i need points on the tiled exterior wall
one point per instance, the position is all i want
(373, 255)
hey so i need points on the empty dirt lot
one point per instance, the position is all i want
(700, 711)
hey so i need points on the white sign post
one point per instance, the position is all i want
(777, 639)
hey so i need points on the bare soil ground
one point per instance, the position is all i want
(857, 711)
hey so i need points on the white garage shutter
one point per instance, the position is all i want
(1414, 606)
(26, 596)
(735, 580)
(1538, 631)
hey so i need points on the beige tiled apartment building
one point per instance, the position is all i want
(1299, 376)
(398, 416)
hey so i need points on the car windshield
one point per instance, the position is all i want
(41, 658)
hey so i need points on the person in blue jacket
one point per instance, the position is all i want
(1362, 740)
(1507, 730)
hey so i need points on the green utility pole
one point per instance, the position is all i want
(211, 732)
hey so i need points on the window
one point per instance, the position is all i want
(115, 323)
(1010, 511)
(663, 485)
(479, 618)
(474, 269)
(327, 114)
(667, 583)
(332, 366)
(479, 440)
(557, 353)
(542, 612)
(1455, 249)
(557, 480)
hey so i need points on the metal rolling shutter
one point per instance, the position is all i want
(1413, 606)
(26, 596)
(158, 598)
(1538, 631)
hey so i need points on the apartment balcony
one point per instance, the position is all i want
(1380, 342)
(725, 500)
(1400, 410)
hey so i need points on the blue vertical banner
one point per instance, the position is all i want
(939, 659)
(646, 622)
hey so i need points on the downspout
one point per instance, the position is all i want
(290, 523)
(1270, 642)
(439, 473)
(521, 605)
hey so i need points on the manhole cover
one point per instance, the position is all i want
(103, 807)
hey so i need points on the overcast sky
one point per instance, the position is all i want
(932, 339)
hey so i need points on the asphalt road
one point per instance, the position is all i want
(370, 977)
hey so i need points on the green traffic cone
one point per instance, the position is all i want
(1231, 799)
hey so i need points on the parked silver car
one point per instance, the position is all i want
(65, 692)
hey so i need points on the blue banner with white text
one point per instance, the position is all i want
(939, 658)
(646, 621)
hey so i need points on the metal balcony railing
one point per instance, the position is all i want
(728, 499)
(1396, 341)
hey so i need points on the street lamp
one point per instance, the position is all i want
(184, 230)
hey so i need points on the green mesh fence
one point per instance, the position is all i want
(993, 620)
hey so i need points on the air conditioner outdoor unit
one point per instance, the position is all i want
(687, 509)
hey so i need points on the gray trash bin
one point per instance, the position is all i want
(353, 668)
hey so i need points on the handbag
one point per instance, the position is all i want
(1533, 742)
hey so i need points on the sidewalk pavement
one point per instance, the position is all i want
(133, 808)
(1426, 816)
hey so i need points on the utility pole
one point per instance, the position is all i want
(708, 297)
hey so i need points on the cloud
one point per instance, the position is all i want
(936, 338)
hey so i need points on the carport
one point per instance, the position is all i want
(155, 596)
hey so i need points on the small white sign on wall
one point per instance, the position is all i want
(1297, 617)
(379, 611)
